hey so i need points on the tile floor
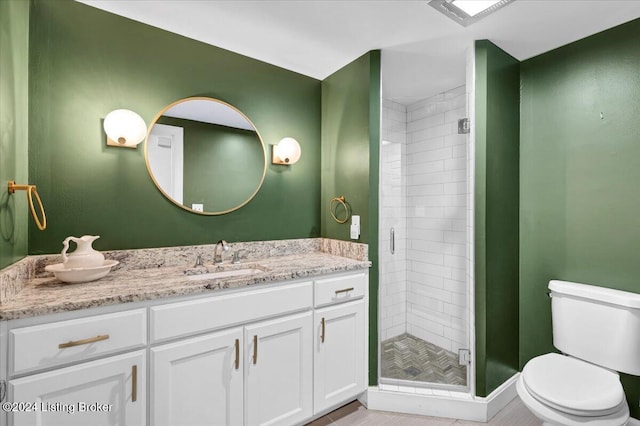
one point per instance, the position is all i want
(354, 414)
(407, 357)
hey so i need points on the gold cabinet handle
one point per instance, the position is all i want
(83, 341)
(344, 290)
(255, 349)
(134, 383)
(322, 324)
(237, 354)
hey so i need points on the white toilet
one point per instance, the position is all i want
(598, 331)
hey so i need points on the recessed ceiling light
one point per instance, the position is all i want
(473, 7)
(466, 12)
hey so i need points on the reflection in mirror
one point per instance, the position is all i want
(205, 156)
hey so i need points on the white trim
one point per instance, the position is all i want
(503, 395)
(456, 406)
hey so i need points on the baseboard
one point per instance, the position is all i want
(426, 402)
(499, 398)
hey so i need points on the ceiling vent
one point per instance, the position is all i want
(467, 12)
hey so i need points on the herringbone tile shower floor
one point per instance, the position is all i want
(406, 357)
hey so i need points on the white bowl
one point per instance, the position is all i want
(80, 275)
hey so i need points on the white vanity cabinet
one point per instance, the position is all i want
(107, 391)
(339, 368)
(279, 371)
(258, 372)
(340, 341)
(3, 370)
(256, 375)
(274, 354)
(199, 380)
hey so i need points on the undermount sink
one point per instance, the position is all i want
(246, 270)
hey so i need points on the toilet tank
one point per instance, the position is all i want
(599, 325)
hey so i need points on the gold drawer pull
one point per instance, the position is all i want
(134, 383)
(344, 290)
(83, 341)
(255, 349)
(322, 322)
(237, 354)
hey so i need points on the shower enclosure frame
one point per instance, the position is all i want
(430, 388)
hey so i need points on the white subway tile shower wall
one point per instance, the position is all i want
(437, 213)
(393, 267)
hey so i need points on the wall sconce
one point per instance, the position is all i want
(287, 152)
(124, 128)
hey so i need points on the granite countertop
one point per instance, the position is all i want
(42, 295)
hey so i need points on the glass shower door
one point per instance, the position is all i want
(424, 245)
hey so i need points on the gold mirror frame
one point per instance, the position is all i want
(165, 194)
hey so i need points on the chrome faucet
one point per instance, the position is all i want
(220, 247)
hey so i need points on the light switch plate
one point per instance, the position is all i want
(355, 232)
(355, 227)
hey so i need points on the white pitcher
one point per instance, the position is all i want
(84, 256)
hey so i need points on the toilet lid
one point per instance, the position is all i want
(573, 386)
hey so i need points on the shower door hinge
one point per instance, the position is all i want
(464, 126)
(464, 357)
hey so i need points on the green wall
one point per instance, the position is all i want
(350, 165)
(345, 146)
(225, 164)
(496, 216)
(84, 63)
(580, 168)
(14, 71)
(375, 111)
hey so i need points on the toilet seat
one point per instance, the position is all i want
(573, 386)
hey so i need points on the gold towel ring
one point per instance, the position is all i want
(31, 191)
(333, 205)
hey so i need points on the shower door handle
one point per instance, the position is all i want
(392, 240)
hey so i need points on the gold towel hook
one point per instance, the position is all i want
(31, 191)
(333, 206)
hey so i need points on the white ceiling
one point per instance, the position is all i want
(206, 111)
(423, 52)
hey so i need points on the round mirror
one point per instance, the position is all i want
(205, 156)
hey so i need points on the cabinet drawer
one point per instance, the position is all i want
(116, 385)
(340, 289)
(196, 316)
(47, 345)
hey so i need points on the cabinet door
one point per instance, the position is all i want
(198, 381)
(109, 391)
(339, 344)
(278, 371)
